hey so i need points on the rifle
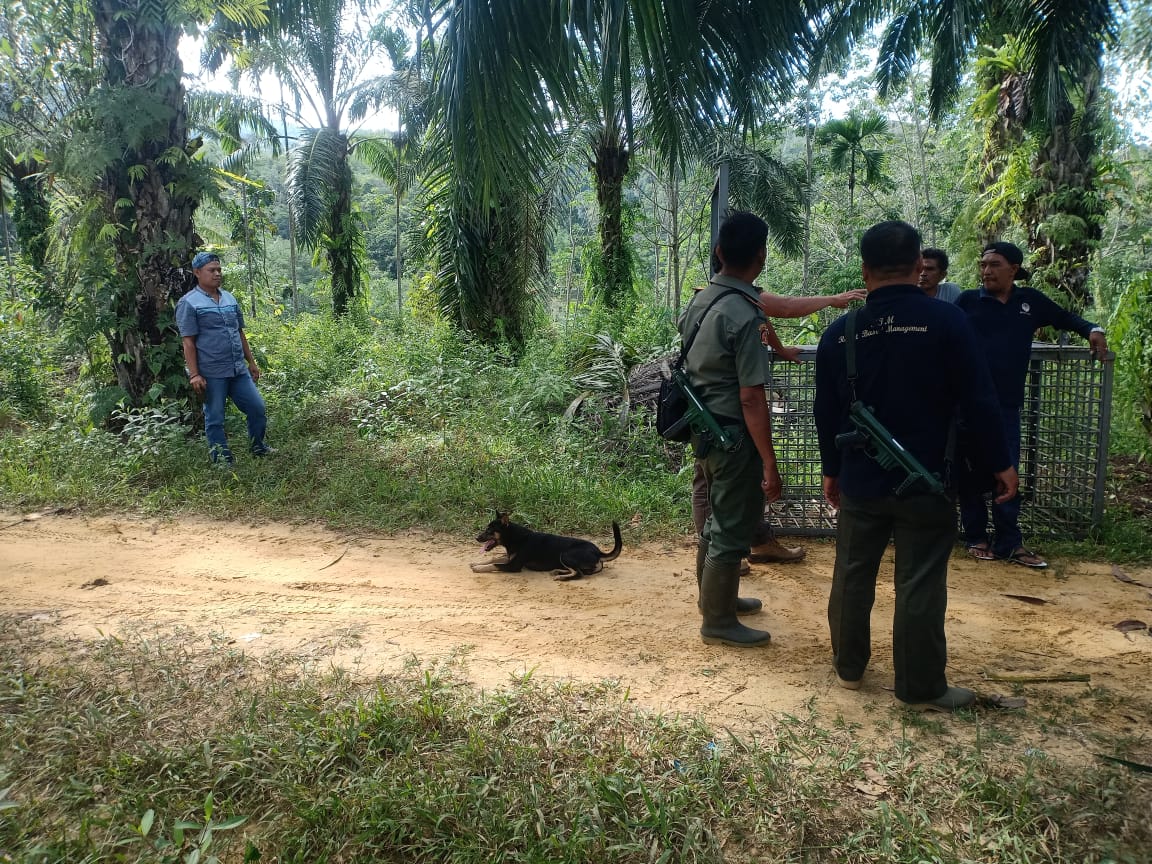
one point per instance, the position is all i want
(868, 434)
(698, 418)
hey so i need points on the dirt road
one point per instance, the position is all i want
(379, 602)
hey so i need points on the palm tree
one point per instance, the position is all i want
(1053, 88)
(147, 186)
(596, 65)
(322, 52)
(847, 140)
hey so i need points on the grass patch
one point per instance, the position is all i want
(127, 750)
(374, 430)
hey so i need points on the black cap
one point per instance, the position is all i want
(1011, 253)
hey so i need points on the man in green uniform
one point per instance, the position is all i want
(728, 367)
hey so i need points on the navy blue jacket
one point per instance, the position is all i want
(917, 362)
(1005, 332)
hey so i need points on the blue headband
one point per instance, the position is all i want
(203, 258)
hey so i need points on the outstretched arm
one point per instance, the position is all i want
(783, 306)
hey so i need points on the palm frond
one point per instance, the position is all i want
(769, 187)
(317, 170)
(498, 86)
(953, 29)
(1067, 38)
(899, 47)
(834, 30)
(234, 121)
(398, 166)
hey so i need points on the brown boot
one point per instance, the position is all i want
(775, 552)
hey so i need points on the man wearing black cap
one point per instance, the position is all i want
(1005, 317)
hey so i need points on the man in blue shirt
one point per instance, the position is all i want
(220, 363)
(917, 363)
(1005, 317)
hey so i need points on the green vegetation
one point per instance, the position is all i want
(181, 749)
(374, 429)
(483, 278)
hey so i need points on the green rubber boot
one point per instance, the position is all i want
(719, 585)
(744, 605)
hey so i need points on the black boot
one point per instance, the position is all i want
(744, 605)
(719, 585)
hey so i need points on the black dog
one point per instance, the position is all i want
(564, 557)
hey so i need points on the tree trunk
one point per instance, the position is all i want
(1066, 213)
(31, 213)
(291, 215)
(674, 206)
(7, 244)
(397, 257)
(248, 246)
(150, 192)
(344, 242)
(809, 132)
(610, 168)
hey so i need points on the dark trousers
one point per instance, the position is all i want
(924, 530)
(735, 497)
(1006, 516)
(702, 508)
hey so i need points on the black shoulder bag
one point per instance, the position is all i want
(673, 404)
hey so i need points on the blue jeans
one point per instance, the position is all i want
(241, 389)
(1006, 516)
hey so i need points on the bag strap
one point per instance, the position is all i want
(850, 350)
(687, 346)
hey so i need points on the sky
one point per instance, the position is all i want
(268, 89)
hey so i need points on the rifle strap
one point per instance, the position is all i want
(687, 346)
(850, 350)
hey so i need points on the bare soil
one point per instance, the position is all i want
(377, 603)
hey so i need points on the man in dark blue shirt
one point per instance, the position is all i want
(1005, 316)
(917, 363)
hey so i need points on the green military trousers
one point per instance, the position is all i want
(735, 495)
(924, 530)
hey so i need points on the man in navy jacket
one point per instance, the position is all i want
(917, 363)
(1005, 317)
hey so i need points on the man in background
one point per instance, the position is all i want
(1005, 317)
(933, 270)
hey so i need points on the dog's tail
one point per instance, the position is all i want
(615, 553)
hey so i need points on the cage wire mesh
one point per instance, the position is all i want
(1064, 444)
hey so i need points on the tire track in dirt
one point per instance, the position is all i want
(379, 602)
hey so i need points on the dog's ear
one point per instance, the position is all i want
(504, 518)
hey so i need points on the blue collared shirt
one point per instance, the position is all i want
(216, 326)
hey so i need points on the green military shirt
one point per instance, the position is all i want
(729, 351)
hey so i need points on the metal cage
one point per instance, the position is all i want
(1063, 444)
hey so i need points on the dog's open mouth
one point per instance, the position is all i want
(489, 546)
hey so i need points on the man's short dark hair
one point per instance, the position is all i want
(890, 248)
(938, 255)
(742, 235)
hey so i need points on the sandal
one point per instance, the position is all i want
(1025, 558)
(980, 552)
